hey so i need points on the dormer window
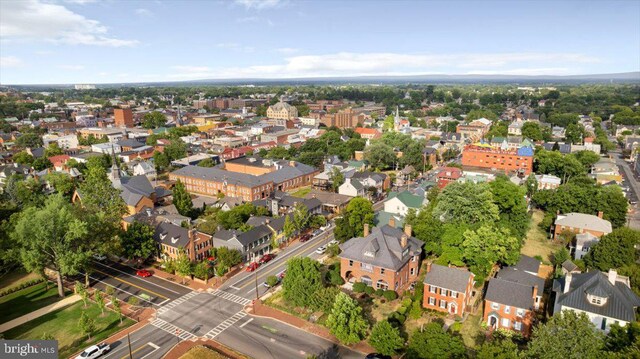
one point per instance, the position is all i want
(405, 252)
(596, 300)
(369, 254)
(174, 240)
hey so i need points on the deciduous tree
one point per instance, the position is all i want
(566, 335)
(346, 321)
(434, 342)
(385, 338)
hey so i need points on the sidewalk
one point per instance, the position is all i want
(265, 311)
(196, 285)
(38, 313)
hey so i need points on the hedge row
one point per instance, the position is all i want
(360, 287)
(22, 286)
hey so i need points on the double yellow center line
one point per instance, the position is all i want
(131, 284)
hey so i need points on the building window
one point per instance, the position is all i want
(520, 312)
(517, 326)
(432, 301)
(350, 263)
(443, 304)
(506, 323)
(453, 294)
(507, 309)
(495, 306)
(381, 270)
(412, 271)
(432, 289)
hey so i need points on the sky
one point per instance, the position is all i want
(111, 41)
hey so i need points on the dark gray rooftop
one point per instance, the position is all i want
(522, 277)
(450, 278)
(528, 264)
(510, 293)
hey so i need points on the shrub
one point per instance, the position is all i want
(390, 295)
(397, 318)
(402, 310)
(416, 310)
(359, 287)
(406, 302)
(272, 280)
(21, 286)
(380, 292)
(369, 290)
(335, 278)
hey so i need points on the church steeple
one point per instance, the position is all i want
(115, 170)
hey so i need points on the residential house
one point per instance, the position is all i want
(253, 243)
(386, 258)
(569, 267)
(582, 223)
(282, 110)
(173, 239)
(144, 168)
(515, 128)
(353, 188)
(606, 170)
(606, 298)
(582, 243)
(447, 175)
(9, 170)
(332, 203)
(400, 202)
(548, 182)
(510, 305)
(368, 133)
(448, 289)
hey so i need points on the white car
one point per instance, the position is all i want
(99, 257)
(94, 351)
(321, 250)
(334, 243)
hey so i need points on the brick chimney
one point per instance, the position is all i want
(428, 267)
(403, 240)
(567, 282)
(292, 163)
(366, 230)
(612, 275)
(392, 221)
(535, 293)
(600, 214)
(407, 229)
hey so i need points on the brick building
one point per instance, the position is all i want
(448, 175)
(582, 223)
(283, 111)
(485, 156)
(173, 238)
(447, 289)
(386, 258)
(123, 117)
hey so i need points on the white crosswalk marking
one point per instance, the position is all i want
(224, 325)
(170, 328)
(230, 297)
(176, 302)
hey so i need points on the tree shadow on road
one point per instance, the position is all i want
(330, 353)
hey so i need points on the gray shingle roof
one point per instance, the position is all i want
(172, 235)
(510, 293)
(621, 300)
(519, 276)
(450, 278)
(528, 264)
(586, 221)
(389, 253)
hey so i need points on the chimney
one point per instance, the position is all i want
(612, 275)
(366, 230)
(567, 282)
(292, 163)
(428, 267)
(407, 229)
(535, 293)
(392, 221)
(600, 214)
(403, 240)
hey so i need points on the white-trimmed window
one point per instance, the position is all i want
(453, 294)
(507, 309)
(517, 325)
(432, 289)
(506, 323)
(495, 306)
(413, 270)
(443, 304)
(520, 312)
(432, 301)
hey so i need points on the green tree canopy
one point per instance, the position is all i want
(153, 119)
(614, 250)
(434, 342)
(303, 279)
(137, 241)
(566, 335)
(346, 321)
(466, 203)
(182, 199)
(385, 338)
(488, 245)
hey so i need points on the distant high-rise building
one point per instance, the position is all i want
(123, 117)
(85, 87)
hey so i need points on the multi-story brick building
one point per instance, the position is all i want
(447, 289)
(123, 117)
(386, 258)
(172, 239)
(448, 175)
(283, 111)
(199, 104)
(249, 178)
(509, 305)
(486, 156)
(582, 223)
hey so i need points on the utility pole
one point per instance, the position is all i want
(256, 282)
(130, 353)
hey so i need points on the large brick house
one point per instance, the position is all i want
(173, 238)
(582, 223)
(447, 289)
(386, 258)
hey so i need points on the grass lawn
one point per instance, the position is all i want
(301, 192)
(471, 331)
(202, 353)
(380, 311)
(14, 278)
(63, 326)
(27, 300)
(536, 242)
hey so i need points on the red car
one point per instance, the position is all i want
(143, 273)
(305, 238)
(266, 258)
(282, 274)
(252, 266)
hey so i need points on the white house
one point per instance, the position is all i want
(515, 128)
(143, 168)
(107, 148)
(399, 203)
(606, 298)
(352, 188)
(583, 242)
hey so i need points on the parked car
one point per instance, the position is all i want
(143, 273)
(266, 258)
(252, 266)
(305, 238)
(99, 257)
(334, 243)
(377, 356)
(94, 351)
(281, 274)
(321, 250)
(316, 232)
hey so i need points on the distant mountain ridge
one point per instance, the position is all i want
(622, 77)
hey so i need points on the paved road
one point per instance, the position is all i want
(151, 291)
(630, 181)
(244, 283)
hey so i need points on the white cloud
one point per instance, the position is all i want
(287, 50)
(72, 67)
(80, 2)
(10, 61)
(391, 64)
(235, 46)
(259, 4)
(144, 12)
(191, 69)
(37, 20)
(247, 19)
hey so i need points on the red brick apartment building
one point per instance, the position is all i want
(486, 156)
(385, 258)
(123, 117)
(447, 289)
